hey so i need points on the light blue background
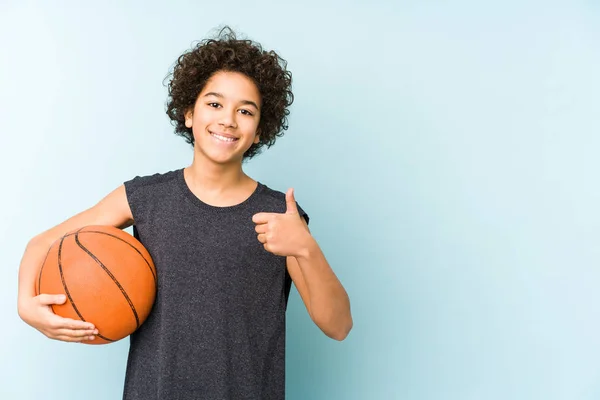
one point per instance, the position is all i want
(447, 152)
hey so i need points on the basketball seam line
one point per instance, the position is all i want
(137, 320)
(106, 270)
(124, 241)
(39, 286)
(62, 278)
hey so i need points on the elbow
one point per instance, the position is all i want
(38, 241)
(336, 330)
(341, 334)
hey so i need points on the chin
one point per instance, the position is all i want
(222, 159)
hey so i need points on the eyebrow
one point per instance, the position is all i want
(245, 102)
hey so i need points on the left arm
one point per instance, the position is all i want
(323, 295)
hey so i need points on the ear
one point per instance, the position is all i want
(257, 137)
(188, 118)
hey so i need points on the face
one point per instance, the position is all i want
(225, 118)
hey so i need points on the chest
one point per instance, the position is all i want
(218, 253)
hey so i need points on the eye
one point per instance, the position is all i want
(214, 105)
(246, 112)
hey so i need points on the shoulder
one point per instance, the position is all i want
(143, 193)
(274, 200)
(269, 194)
(271, 200)
(146, 181)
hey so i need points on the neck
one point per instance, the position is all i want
(213, 177)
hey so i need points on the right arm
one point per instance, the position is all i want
(35, 310)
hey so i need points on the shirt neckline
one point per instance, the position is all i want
(198, 202)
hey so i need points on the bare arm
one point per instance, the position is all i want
(35, 310)
(323, 295)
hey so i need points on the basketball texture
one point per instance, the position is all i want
(108, 277)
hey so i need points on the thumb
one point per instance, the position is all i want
(290, 202)
(47, 299)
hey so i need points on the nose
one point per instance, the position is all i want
(227, 119)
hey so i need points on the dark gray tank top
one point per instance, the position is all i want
(217, 328)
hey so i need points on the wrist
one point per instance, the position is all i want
(307, 249)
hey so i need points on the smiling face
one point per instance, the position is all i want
(225, 118)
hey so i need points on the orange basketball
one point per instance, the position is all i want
(108, 277)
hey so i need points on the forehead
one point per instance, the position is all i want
(233, 86)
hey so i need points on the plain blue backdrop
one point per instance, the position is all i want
(447, 152)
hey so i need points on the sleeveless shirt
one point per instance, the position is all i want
(217, 327)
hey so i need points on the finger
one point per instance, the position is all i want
(68, 323)
(262, 238)
(70, 339)
(262, 218)
(290, 201)
(262, 228)
(76, 333)
(64, 338)
(59, 322)
(48, 299)
(75, 324)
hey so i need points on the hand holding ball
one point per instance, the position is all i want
(108, 277)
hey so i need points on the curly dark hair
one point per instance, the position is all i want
(227, 53)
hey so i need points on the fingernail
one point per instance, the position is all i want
(91, 337)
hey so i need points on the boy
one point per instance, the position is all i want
(225, 246)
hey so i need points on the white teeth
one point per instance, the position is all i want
(223, 138)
